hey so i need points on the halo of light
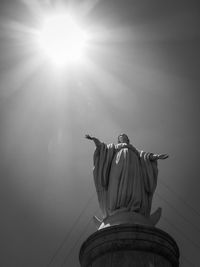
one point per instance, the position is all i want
(62, 39)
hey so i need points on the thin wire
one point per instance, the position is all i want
(85, 229)
(69, 232)
(180, 197)
(186, 237)
(178, 212)
(77, 241)
(87, 225)
(85, 207)
(194, 243)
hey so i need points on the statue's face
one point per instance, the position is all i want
(123, 138)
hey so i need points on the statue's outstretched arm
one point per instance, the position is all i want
(158, 156)
(94, 139)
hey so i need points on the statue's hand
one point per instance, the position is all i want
(163, 156)
(87, 136)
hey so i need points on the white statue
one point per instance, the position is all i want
(125, 180)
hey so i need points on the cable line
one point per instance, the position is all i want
(178, 212)
(75, 244)
(180, 197)
(69, 232)
(182, 234)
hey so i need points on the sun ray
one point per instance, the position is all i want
(87, 6)
(19, 73)
(36, 7)
(14, 29)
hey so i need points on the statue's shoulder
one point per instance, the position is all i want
(118, 146)
(111, 146)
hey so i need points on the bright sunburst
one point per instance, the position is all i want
(62, 39)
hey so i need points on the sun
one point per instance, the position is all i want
(62, 39)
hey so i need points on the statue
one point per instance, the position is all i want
(125, 180)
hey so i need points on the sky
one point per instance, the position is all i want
(140, 76)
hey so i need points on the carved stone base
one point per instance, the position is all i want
(129, 246)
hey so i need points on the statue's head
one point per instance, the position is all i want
(123, 138)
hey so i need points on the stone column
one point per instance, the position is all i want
(129, 246)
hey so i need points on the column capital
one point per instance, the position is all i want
(133, 243)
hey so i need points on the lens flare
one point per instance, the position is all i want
(62, 39)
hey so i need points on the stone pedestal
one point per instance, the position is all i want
(129, 246)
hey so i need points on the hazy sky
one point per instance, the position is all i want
(141, 76)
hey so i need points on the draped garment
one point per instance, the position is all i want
(125, 179)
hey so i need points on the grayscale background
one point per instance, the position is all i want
(142, 78)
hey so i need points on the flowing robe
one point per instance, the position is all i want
(125, 179)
